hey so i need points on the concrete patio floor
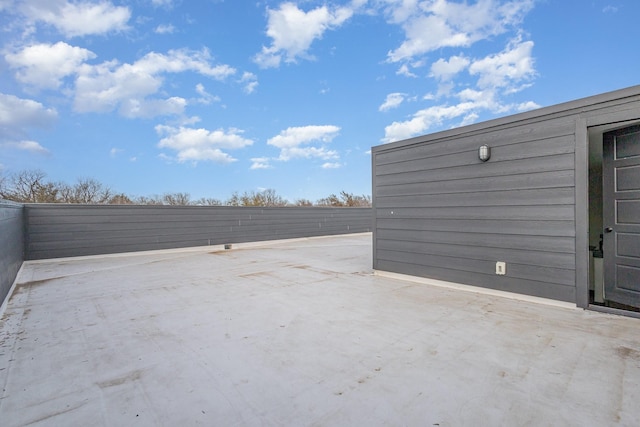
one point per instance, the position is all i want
(298, 333)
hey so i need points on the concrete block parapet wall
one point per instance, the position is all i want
(57, 230)
(11, 244)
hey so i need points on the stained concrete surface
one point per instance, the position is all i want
(298, 333)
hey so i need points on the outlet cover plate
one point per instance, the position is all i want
(501, 268)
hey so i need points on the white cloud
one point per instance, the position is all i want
(180, 60)
(503, 69)
(331, 165)
(202, 91)
(293, 30)
(400, 11)
(445, 88)
(393, 101)
(424, 119)
(474, 95)
(165, 29)
(295, 136)
(78, 18)
(260, 163)
(303, 142)
(21, 112)
(427, 33)
(45, 65)
(469, 119)
(205, 97)
(435, 24)
(322, 152)
(404, 71)
(471, 103)
(294, 142)
(30, 146)
(110, 85)
(498, 76)
(490, 100)
(445, 70)
(196, 145)
(147, 108)
(250, 82)
(103, 87)
(18, 116)
(526, 106)
(165, 3)
(184, 121)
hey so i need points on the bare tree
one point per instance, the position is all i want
(303, 202)
(351, 200)
(234, 200)
(207, 201)
(148, 200)
(29, 186)
(4, 189)
(120, 199)
(269, 197)
(266, 197)
(331, 200)
(177, 199)
(250, 199)
(86, 190)
(345, 200)
(89, 190)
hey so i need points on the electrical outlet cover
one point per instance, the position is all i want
(501, 268)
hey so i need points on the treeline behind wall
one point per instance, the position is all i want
(32, 186)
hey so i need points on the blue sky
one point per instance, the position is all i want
(210, 97)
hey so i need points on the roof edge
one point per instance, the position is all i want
(568, 107)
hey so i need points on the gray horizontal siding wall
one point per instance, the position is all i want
(439, 212)
(11, 244)
(74, 230)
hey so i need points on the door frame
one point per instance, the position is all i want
(583, 122)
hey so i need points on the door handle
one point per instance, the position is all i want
(608, 229)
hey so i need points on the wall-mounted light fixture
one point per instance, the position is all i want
(484, 153)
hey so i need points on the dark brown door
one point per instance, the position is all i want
(621, 179)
